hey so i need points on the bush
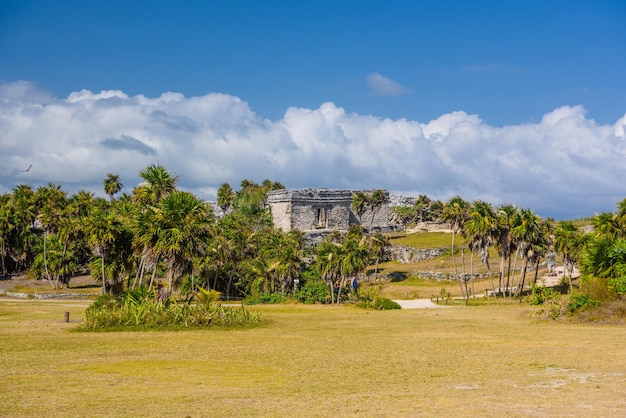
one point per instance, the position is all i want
(597, 289)
(618, 285)
(313, 291)
(548, 299)
(141, 310)
(378, 303)
(581, 302)
(265, 298)
(384, 304)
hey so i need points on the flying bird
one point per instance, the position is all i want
(28, 169)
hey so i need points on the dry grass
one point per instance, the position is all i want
(314, 361)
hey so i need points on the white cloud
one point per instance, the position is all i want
(383, 86)
(567, 165)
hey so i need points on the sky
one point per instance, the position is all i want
(520, 102)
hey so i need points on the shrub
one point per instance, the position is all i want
(548, 299)
(618, 285)
(378, 303)
(313, 291)
(265, 298)
(142, 310)
(384, 304)
(597, 289)
(581, 302)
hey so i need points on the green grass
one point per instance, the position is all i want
(422, 239)
(314, 361)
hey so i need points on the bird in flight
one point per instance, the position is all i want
(28, 169)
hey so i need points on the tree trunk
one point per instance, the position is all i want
(340, 289)
(472, 273)
(522, 279)
(104, 282)
(45, 257)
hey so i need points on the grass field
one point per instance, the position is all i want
(314, 361)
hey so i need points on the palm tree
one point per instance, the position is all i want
(328, 263)
(112, 185)
(359, 203)
(181, 226)
(378, 244)
(157, 185)
(568, 241)
(481, 228)
(607, 224)
(51, 201)
(376, 200)
(456, 212)
(225, 197)
(23, 208)
(528, 235)
(102, 229)
(353, 260)
(422, 207)
(505, 215)
(7, 224)
(288, 258)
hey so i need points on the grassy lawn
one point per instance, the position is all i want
(314, 361)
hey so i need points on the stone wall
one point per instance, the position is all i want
(312, 209)
(405, 255)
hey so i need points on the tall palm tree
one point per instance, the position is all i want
(456, 213)
(328, 263)
(180, 231)
(376, 200)
(102, 229)
(112, 185)
(7, 224)
(225, 197)
(505, 214)
(568, 242)
(481, 228)
(378, 244)
(51, 201)
(422, 207)
(158, 183)
(359, 203)
(23, 207)
(528, 235)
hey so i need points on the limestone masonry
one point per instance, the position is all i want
(313, 209)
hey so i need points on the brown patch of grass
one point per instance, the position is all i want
(314, 361)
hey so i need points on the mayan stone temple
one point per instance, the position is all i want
(315, 209)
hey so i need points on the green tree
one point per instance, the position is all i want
(482, 231)
(112, 185)
(181, 226)
(158, 183)
(225, 197)
(103, 229)
(456, 213)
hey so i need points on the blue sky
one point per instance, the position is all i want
(356, 78)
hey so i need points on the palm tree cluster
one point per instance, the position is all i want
(372, 202)
(517, 235)
(423, 209)
(521, 238)
(342, 258)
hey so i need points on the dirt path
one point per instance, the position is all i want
(419, 304)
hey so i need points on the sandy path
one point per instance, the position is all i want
(419, 304)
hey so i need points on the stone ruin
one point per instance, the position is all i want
(323, 209)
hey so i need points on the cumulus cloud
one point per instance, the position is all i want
(383, 86)
(564, 166)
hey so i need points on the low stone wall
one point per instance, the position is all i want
(405, 255)
(17, 295)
